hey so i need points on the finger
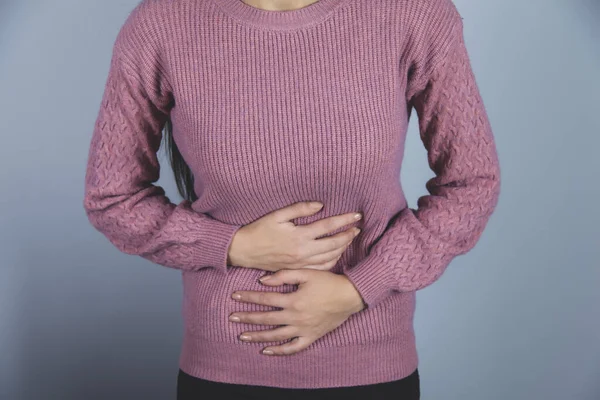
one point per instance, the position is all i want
(286, 276)
(296, 210)
(274, 299)
(318, 260)
(273, 335)
(331, 243)
(297, 344)
(322, 267)
(261, 317)
(327, 225)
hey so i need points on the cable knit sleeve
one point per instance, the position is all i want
(121, 199)
(418, 245)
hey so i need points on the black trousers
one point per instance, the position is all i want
(193, 388)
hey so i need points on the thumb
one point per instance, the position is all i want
(285, 276)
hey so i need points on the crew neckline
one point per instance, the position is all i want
(278, 20)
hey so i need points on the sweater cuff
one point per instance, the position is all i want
(372, 279)
(214, 252)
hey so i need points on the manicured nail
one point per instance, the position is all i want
(245, 337)
(357, 216)
(265, 351)
(236, 296)
(234, 318)
(264, 278)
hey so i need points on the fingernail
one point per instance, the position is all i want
(245, 337)
(234, 318)
(356, 231)
(236, 296)
(265, 351)
(316, 205)
(264, 278)
(357, 216)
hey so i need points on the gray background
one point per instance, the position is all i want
(514, 318)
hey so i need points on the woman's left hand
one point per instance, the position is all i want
(322, 302)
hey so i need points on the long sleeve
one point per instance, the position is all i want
(418, 244)
(121, 199)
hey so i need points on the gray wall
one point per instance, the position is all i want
(512, 319)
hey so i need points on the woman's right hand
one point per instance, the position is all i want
(273, 242)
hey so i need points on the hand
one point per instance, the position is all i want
(322, 302)
(273, 242)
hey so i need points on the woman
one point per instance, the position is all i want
(271, 108)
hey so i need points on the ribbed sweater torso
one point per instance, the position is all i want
(270, 108)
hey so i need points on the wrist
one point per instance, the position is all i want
(232, 251)
(359, 303)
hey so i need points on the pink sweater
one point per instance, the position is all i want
(274, 107)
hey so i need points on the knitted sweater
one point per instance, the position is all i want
(270, 108)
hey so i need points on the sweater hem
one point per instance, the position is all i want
(349, 365)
